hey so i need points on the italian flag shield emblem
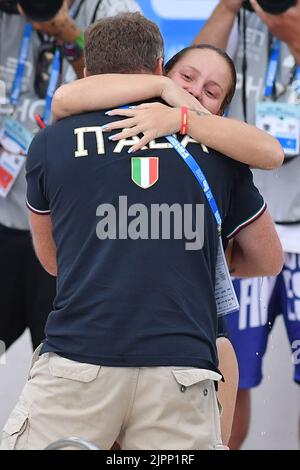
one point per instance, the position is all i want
(144, 171)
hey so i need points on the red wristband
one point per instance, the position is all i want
(184, 120)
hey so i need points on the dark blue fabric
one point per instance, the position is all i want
(131, 302)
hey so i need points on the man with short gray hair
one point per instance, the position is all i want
(27, 290)
(130, 349)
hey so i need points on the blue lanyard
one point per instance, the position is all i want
(272, 67)
(199, 175)
(17, 84)
(53, 81)
(297, 80)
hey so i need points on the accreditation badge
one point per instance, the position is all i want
(282, 121)
(225, 295)
(14, 142)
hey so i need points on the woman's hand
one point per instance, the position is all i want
(151, 119)
(176, 96)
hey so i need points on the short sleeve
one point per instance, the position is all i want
(246, 204)
(36, 199)
(222, 328)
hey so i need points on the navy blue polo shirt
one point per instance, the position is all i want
(136, 244)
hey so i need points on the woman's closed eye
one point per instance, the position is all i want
(186, 77)
(210, 93)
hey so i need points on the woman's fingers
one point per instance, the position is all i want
(121, 112)
(131, 111)
(147, 105)
(126, 133)
(143, 141)
(137, 122)
(133, 132)
(118, 125)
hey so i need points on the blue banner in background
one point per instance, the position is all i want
(179, 20)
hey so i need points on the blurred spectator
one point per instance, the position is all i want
(27, 291)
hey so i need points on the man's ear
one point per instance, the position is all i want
(85, 73)
(159, 68)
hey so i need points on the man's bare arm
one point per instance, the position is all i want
(217, 29)
(256, 250)
(44, 245)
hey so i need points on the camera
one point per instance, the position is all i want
(41, 10)
(274, 7)
(9, 7)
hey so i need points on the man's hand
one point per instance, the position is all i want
(285, 26)
(61, 26)
(232, 5)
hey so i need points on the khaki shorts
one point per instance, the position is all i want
(152, 408)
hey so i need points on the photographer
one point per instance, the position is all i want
(267, 62)
(40, 45)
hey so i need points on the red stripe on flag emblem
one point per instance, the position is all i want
(153, 177)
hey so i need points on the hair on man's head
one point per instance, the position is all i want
(125, 43)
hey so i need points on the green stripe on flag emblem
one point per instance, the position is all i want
(136, 170)
(144, 171)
